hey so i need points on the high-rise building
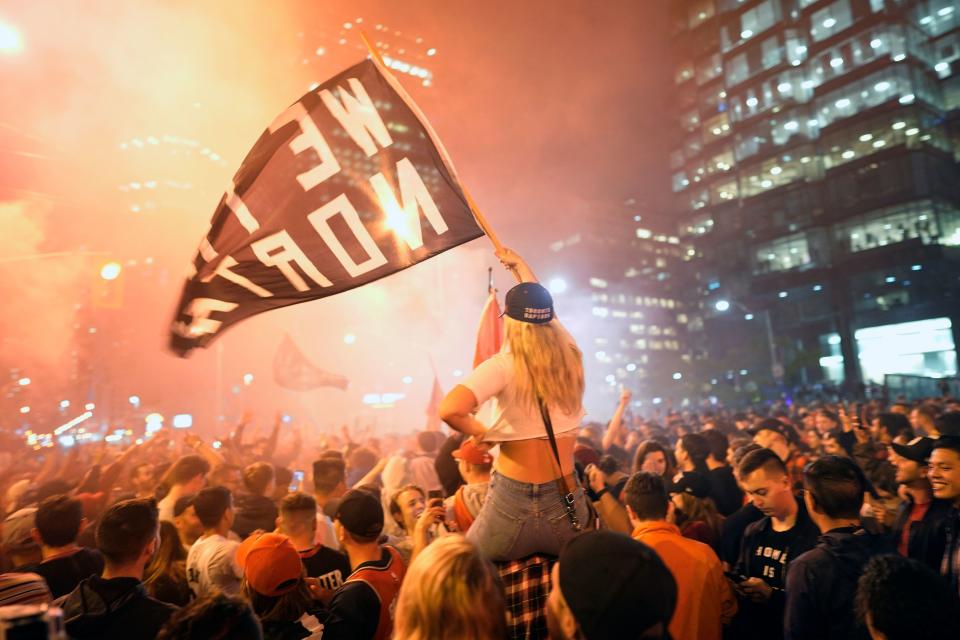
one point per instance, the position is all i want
(620, 291)
(816, 171)
(407, 54)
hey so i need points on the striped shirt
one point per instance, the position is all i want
(23, 588)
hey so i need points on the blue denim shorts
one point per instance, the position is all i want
(519, 519)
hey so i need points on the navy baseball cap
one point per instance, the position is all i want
(529, 302)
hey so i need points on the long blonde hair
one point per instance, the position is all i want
(547, 362)
(451, 591)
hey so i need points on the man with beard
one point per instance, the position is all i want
(918, 528)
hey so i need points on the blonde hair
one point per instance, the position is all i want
(450, 591)
(547, 362)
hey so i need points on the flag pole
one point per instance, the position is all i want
(489, 280)
(477, 214)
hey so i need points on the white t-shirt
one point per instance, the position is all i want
(212, 566)
(325, 532)
(165, 507)
(424, 473)
(494, 378)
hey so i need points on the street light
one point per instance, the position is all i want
(775, 367)
(110, 271)
(10, 40)
(557, 285)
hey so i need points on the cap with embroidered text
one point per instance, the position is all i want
(529, 302)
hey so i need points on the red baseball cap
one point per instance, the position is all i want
(469, 452)
(270, 564)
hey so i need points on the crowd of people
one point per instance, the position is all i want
(827, 520)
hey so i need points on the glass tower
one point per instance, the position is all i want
(816, 171)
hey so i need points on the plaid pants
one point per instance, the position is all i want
(526, 583)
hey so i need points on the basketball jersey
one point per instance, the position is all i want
(385, 582)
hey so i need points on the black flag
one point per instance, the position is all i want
(346, 186)
(292, 370)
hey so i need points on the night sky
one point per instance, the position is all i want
(554, 114)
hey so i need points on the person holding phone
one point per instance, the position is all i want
(535, 502)
(768, 545)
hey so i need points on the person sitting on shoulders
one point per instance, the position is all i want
(537, 385)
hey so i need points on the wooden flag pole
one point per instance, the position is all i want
(477, 214)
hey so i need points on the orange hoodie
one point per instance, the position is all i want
(705, 601)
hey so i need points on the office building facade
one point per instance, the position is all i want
(625, 305)
(816, 173)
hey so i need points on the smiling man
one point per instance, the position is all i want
(918, 529)
(944, 475)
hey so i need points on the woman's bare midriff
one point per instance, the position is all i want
(532, 460)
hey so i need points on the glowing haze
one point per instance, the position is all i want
(121, 124)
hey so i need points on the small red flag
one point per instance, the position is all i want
(490, 331)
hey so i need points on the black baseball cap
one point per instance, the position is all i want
(616, 587)
(696, 484)
(772, 424)
(529, 302)
(360, 513)
(917, 449)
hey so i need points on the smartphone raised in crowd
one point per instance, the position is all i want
(297, 481)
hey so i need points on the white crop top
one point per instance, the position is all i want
(494, 378)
